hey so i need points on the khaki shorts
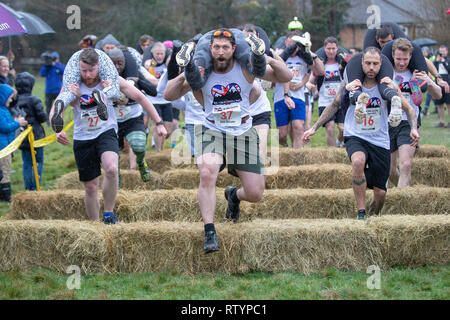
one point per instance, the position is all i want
(239, 152)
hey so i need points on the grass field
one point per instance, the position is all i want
(430, 282)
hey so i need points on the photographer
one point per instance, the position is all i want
(53, 71)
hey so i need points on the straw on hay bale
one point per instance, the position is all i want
(182, 205)
(52, 244)
(432, 151)
(161, 161)
(433, 172)
(301, 245)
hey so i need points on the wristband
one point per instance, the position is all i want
(160, 123)
(287, 95)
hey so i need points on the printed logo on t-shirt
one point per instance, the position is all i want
(87, 102)
(226, 94)
(333, 75)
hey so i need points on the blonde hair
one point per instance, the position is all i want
(402, 44)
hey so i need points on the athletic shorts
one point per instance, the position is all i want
(245, 149)
(262, 118)
(378, 161)
(283, 115)
(133, 124)
(176, 113)
(331, 119)
(165, 111)
(400, 135)
(445, 99)
(88, 154)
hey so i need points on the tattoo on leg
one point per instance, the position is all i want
(358, 180)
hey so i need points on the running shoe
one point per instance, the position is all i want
(361, 214)
(57, 121)
(211, 242)
(111, 219)
(233, 209)
(184, 56)
(100, 99)
(396, 111)
(416, 95)
(257, 44)
(398, 80)
(144, 171)
(360, 109)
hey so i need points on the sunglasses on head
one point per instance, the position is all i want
(224, 33)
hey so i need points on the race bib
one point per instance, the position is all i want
(372, 121)
(227, 115)
(297, 72)
(122, 112)
(90, 121)
(331, 89)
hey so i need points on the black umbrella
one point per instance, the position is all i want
(422, 42)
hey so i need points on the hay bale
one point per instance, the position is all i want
(162, 161)
(432, 151)
(434, 172)
(54, 245)
(413, 240)
(295, 157)
(182, 205)
(299, 245)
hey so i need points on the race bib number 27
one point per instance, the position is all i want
(90, 121)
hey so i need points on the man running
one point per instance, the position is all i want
(227, 130)
(367, 135)
(401, 148)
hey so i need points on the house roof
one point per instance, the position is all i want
(399, 11)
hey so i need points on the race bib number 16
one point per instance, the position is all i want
(372, 121)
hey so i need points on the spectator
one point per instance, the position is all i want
(33, 111)
(52, 70)
(8, 127)
(4, 70)
(442, 64)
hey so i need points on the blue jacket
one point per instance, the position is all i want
(54, 75)
(8, 126)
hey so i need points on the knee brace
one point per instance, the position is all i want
(138, 141)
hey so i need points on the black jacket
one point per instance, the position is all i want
(30, 107)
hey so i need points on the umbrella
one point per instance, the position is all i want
(422, 42)
(9, 25)
(32, 23)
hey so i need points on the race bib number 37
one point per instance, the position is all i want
(227, 115)
(90, 121)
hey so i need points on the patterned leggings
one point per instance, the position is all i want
(106, 70)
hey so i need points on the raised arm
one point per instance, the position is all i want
(176, 88)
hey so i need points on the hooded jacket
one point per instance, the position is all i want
(30, 107)
(8, 126)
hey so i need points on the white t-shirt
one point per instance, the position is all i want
(87, 124)
(194, 110)
(262, 104)
(299, 69)
(330, 85)
(126, 112)
(227, 101)
(375, 128)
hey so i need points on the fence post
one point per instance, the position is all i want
(33, 157)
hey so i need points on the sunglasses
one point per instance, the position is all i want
(225, 33)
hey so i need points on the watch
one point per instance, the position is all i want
(160, 123)
(316, 56)
(287, 95)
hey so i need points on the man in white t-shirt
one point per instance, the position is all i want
(227, 134)
(401, 149)
(367, 134)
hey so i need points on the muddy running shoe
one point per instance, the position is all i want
(361, 215)
(144, 171)
(110, 218)
(257, 44)
(233, 209)
(184, 56)
(102, 109)
(360, 109)
(396, 112)
(57, 121)
(211, 242)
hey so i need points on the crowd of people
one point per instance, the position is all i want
(219, 81)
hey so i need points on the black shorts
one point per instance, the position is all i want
(445, 97)
(378, 161)
(175, 113)
(165, 111)
(400, 135)
(88, 154)
(339, 116)
(333, 118)
(133, 124)
(262, 118)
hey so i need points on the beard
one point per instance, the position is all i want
(222, 65)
